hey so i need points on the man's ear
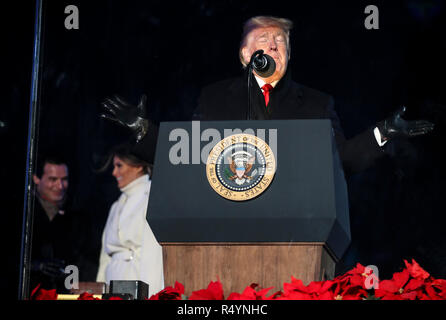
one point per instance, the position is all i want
(36, 179)
(246, 55)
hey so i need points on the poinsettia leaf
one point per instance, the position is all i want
(409, 295)
(43, 294)
(88, 296)
(248, 294)
(214, 291)
(179, 287)
(327, 295)
(400, 278)
(358, 280)
(432, 293)
(416, 271)
(414, 284)
(388, 286)
(35, 290)
(234, 296)
(313, 286)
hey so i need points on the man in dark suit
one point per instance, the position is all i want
(60, 235)
(52, 246)
(273, 96)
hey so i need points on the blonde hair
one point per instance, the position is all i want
(263, 22)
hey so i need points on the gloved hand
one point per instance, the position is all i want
(397, 127)
(54, 268)
(120, 111)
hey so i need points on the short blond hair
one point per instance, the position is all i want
(263, 22)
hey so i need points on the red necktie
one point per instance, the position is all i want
(266, 89)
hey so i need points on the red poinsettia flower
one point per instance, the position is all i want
(87, 296)
(214, 291)
(359, 269)
(438, 289)
(344, 290)
(43, 294)
(359, 276)
(433, 289)
(250, 293)
(170, 293)
(353, 284)
(316, 290)
(395, 289)
(410, 284)
(416, 271)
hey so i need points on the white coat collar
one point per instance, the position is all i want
(136, 185)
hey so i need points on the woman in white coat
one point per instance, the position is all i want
(130, 250)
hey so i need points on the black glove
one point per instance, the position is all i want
(54, 268)
(127, 115)
(397, 127)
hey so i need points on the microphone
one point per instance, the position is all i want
(263, 64)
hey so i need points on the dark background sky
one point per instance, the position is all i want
(170, 49)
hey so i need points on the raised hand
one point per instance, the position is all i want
(118, 110)
(396, 127)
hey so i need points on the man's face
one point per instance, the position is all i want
(273, 41)
(53, 184)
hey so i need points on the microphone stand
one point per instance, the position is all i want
(250, 69)
(248, 116)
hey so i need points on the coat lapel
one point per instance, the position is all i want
(285, 99)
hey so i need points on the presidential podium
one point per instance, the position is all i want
(296, 225)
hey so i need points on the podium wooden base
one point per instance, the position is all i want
(237, 265)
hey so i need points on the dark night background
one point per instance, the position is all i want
(170, 49)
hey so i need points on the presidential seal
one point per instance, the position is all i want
(240, 167)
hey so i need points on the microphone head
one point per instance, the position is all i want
(264, 65)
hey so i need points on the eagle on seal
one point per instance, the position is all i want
(240, 168)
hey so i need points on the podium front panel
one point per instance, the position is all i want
(306, 201)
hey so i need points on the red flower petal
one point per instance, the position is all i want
(35, 290)
(388, 286)
(295, 295)
(251, 294)
(42, 294)
(87, 296)
(326, 296)
(392, 297)
(169, 293)
(214, 291)
(234, 296)
(414, 284)
(179, 287)
(314, 286)
(353, 291)
(416, 271)
(432, 294)
(409, 295)
(358, 280)
(248, 294)
(295, 285)
(440, 286)
(400, 278)
(352, 297)
(358, 269)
